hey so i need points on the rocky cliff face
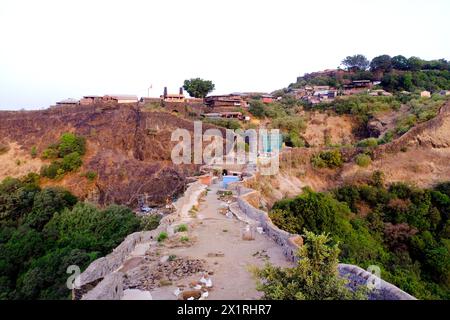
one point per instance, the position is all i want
(128, 149)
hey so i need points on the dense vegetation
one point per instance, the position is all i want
(365, 107)
(315, 277)
(396, 74)
(403, 229)
(43, 231)
(66, 156)
(283, 114)
(327, 159)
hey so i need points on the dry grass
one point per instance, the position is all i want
(16, 162)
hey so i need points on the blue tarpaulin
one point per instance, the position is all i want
(229, 179)
(271, 142)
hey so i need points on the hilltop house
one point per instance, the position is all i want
(225, 101)
(173, 97)
(267, 98)
(89, 100)
(121, 98)
(425, 94)
(357, 86)
(92, 99)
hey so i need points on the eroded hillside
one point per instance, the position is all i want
(420, 157)
(129, 150)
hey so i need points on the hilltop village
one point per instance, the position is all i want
(362, 177)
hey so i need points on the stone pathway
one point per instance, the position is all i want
(218, 240)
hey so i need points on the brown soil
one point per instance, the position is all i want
(128, 149)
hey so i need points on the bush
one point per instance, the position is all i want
(50, 153)
(90, 175)
(181, 228)
(162, 236)
(33, 152)
(69, 149)
(51, 171)
(315, 277)
(388, 136)
(184, 239)
(328, 159)
(150, 222)
(70, 143)
(368, 143)
(71, 162)
(363, 160)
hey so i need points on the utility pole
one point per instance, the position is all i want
(148, 91)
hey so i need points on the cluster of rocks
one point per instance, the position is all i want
(150, 276)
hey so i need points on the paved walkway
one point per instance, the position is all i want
(216, 233)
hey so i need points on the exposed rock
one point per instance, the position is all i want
(128, 161)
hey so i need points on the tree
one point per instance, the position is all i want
(198, 88)
(257, 108)
(315, 277)
(381, 63)
(356, 62)
(415, 63)
(400, 63)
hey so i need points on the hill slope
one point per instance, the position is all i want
(128, 149)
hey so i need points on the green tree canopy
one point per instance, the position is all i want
(356, 62)
(400, 63)
(381, 63)
(315, 277)
(198, 88)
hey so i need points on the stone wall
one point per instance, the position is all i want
(382, 290)
(110, 288)
(356, 275)
(104, 270)
(281, 237)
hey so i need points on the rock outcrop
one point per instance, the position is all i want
(129, 149)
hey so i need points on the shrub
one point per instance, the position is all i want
(50, 153)
(71, 161)
(363, 160)
(329, 159)
(90, 175)
(388, 136)
(70, 143)
(162, 236)
(150, 222)
(181, 228)
(315, 277)
(69, 149)
(33, 152)
(377, 179)
(184, 239)
(368, 143)
(51, 171)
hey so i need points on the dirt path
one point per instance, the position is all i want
(214, 233)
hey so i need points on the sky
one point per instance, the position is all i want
(53, 50)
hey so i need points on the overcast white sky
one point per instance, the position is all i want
(52, 50)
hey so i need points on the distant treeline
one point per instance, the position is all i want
(396, 73)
